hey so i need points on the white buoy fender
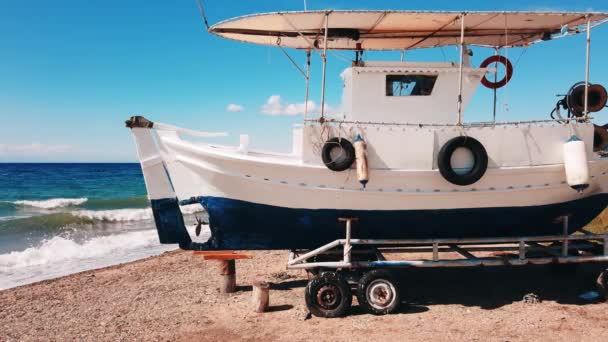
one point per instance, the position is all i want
(361, 160)
(575, 164)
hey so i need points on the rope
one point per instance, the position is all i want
(505, 104)
(523, 52)
(291, 59)
(200, 8)
(339, 56)
(445, 59)
(495, 90)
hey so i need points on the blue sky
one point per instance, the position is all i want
(72, 71)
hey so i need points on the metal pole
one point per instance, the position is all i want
(347, 245)
(307, 83)
(461, 67)
(566, 233)
(522, 250)
(495, 79)
(586, 111)
(324, 68)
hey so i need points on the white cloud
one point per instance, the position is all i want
(235, 108)
(33, 149)
(275, 106)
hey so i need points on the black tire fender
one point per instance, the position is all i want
(444, 160)
(344, 160)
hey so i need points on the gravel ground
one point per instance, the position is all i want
(175, 296)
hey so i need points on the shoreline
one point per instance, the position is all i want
(175, 296)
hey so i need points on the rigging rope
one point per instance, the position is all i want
(200, 8)
(505, 104)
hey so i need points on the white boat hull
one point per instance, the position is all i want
(258, 201)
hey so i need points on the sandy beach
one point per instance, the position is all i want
(175, 297)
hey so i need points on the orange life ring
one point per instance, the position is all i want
(500, 83)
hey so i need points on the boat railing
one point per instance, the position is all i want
(466, 125)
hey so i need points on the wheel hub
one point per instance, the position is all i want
(328, 297)
(380, 294)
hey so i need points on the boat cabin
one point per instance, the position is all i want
(406, 92)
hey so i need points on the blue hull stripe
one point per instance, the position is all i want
(244, 225)
(170, 222)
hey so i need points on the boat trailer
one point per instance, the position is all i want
(367, 267)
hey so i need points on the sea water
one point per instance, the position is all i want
(57, 219)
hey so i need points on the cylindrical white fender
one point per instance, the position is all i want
(575, 164)
(361, 160)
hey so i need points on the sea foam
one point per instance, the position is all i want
(58, 249)
(125, 215)
(115, 215)
(52, 203)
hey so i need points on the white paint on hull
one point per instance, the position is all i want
(199, 170)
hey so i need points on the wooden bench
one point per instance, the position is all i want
(227, 266)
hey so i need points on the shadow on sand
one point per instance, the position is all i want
(487, 287)
(493, 287)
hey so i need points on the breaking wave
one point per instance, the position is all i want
(126, 215)
(68, 220)
(116, 203)
(87, 203)
(116, 215)
(58, 249)
(52, 203)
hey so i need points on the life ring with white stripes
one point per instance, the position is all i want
(508, 71)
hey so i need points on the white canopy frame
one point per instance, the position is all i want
(587, 62)
(390, 31)
(401, 30)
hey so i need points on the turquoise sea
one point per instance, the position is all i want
(57, 219)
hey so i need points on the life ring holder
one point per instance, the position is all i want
(344, 160)
(444, 160)
(508, 73)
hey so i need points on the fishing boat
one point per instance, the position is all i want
(399, 156)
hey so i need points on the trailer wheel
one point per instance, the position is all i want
(378, 292)
(328, 295)
(602, 284)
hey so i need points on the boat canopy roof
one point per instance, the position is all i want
(403, 30)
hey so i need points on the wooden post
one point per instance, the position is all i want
(228, 273)
(227, 266)
(261, 296)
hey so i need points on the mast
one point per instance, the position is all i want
(461, 67)
(324, 68)
(587, 59)
(307, 83)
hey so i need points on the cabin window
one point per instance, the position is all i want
(410, 85)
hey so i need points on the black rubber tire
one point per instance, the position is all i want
(328, 295)
(600, 138)
(344, 160)
(445, 164)
(383, 281)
